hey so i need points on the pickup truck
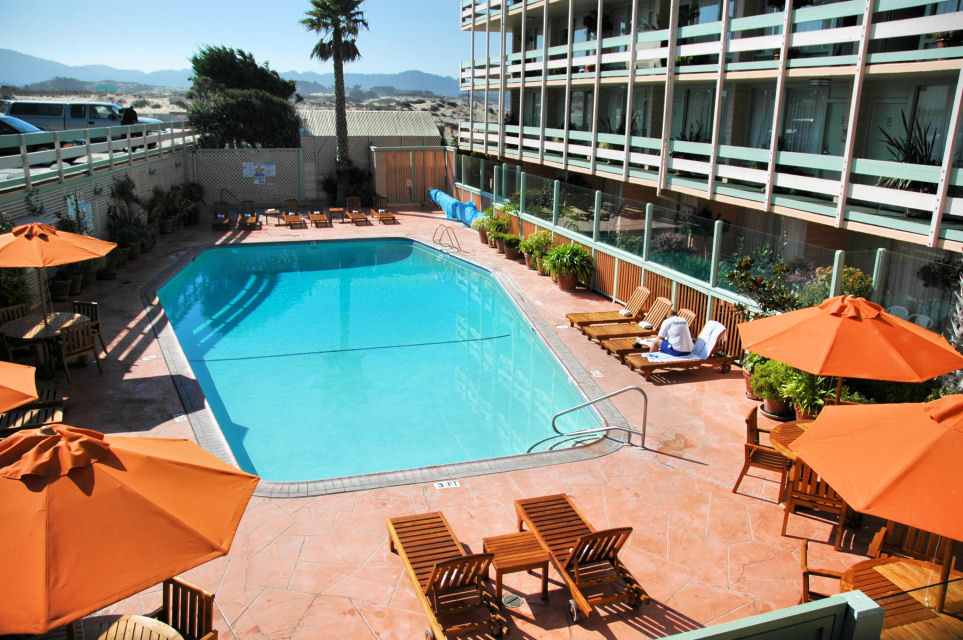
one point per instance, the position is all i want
(56, 116)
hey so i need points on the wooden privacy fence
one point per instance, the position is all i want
(405, 175)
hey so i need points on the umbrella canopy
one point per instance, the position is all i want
(17, 385)
(896, 461)
(86, 520)
(851, 338)
(40, 245)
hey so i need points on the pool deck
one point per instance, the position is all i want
(312, 567)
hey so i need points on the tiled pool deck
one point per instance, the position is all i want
(317, 567)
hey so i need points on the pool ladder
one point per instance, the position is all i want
(445, 237)
(575, 437)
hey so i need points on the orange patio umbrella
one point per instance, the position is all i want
(87, 519)
(851, 337)
(17, 385)
(899, 462)
(39, 245)
(896, 461)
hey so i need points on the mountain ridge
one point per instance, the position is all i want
(20, 69)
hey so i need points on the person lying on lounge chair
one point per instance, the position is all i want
(674, 337)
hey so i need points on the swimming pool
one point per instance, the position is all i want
(337, 358)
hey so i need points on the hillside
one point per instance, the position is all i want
(21, 70)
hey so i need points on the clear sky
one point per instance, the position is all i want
(127, 34)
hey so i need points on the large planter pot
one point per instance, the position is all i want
(539, 263)
(59, 290)
(512, 253)
(166, 225)
(749, 392)
(491, 241)
(134, 252)
(147, 244)
(500, 246)
(76, 283)
(531, 262)
(804, 415)
(776, 409)
(482, 236)
(567, 282)
(123, 254)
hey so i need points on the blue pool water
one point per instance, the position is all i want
(322, 360)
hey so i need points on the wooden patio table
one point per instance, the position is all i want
(905, 589)
(783, 435)
(516, 552)
(139, 628)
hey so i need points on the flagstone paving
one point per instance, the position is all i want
(304, 568)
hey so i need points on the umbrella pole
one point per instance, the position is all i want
(839, 389)
(43, 298)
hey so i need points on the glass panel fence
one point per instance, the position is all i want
(682, 241)
(920, 288)
(538, 197)
(623, 226)
(576, 209)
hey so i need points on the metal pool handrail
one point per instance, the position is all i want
(645, 408)
(446, 238)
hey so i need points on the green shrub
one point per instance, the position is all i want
(511, 240)
(537, 243)
(854, 283)
(481, 222)
(767, 379)
(570, 259)
(499, 224)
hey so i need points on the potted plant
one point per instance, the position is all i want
(767, 380)
(535, 246)
(108, 266)
(59, 285)
(499, 238)
(946, 38)
(807, 392)
(916, 145)
(749, 363)
(569, 263)
(89, 268)
(76, 274)
(480, 224)
(511, 243)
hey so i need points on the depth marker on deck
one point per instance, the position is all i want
(447, 484)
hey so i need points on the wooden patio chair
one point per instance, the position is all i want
(806, 489)
(808, 595)
(587, 560)
(76, 341)
(381, 212)
(92, 311)
(451, 585)
(761, 456)
(291, 214)
(188, 609)
(221, 220)
(352, 209)
(659, 311)
(703, 352)
(636, 307)
(249, 221)
(14, 350)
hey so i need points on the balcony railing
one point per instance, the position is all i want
(753, 43)
(27, 160)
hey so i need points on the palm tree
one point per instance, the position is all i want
(337, 22)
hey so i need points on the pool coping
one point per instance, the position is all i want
(208, 432)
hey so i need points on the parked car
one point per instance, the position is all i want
(11, 125)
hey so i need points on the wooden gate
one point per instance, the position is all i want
(405, 175)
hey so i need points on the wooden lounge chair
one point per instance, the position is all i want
(703, 352)
(586, 559)
(759, 455)
(381, 212)
(807, 489)
(659, 311)
(221, 216)
(451, 585)
(47, 409)
(316, 214)
(352, 209)
(291, 215)
(249, 221)
(635, 306)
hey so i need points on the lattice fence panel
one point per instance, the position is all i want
(221, 173)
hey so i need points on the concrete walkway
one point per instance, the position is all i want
(306, 568)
